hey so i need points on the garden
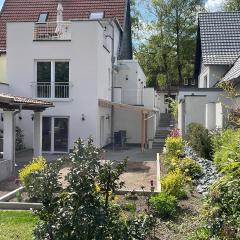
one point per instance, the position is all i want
(199, 196)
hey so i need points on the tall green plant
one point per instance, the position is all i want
(84, 209)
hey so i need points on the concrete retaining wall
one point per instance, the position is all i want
(5, 169)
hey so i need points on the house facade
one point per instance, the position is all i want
(77, 55)
(217, 52)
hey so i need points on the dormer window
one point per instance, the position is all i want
(43, 17)
(96, 15)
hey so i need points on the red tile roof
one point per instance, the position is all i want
(28, 10)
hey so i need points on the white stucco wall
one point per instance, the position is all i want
(210, 116)
(131, 122)
(89, 75)
(214, 74)
(219, 115)
(149, 97)
(3, 68)
(132, 80)
(192, 106)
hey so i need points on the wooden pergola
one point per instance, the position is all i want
(140, 109)
(13, 105)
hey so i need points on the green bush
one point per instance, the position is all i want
(222, 209)
(37, 165)
(176, 184)
(129, 207)
(164, 205)
(227, 150)
(190, 168)
(174, 147)
(199, 138)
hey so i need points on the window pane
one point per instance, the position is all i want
(62, 72)
(62, 80)
(44, 79)
(46, 134)
(42, 17)
(60, 134)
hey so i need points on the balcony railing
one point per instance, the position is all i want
(51, 90)
(52, 31)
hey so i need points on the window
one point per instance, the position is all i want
(96, 15)
(53, 79)
(205, 81)
(43, 17)
(186, 81)
(193, 81)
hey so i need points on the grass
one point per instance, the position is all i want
(17, 225)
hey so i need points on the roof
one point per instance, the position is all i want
(108, 104)
(233, 73)
(28, 11)
(219, 37)
(13, 102)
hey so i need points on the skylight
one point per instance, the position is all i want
(96, 15)
(43, 17)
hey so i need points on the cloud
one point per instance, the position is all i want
(214, 5)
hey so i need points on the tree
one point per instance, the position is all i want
(173, 44)
(232, 5)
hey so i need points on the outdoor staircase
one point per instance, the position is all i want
(163, 131)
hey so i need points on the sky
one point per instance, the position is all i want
(212, 5)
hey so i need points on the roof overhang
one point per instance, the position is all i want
(15, 102)
(109, 104)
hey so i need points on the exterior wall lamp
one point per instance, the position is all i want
(108, 117)
(83, 117)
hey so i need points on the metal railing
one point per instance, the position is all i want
(51, 90)
(52, 31)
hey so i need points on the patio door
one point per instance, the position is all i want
(55, 134)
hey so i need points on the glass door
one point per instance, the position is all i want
(46, 134)
(60, 134)
(55, 134)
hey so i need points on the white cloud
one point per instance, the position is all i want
(214, 5)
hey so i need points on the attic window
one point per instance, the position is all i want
(43, 17)
(96, 15)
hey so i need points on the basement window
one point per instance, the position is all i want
(43, 17)
(96, 15)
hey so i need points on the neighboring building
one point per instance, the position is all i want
(74, 54)
(218, 48)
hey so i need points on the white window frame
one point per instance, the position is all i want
(185, 81)
(52, 75)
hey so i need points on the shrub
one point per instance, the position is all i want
(190, 168)
(84, 208)
(222, 209)
(129, 207)
(37, 165)
(199, 138)
(227, 149)
(176, 184)
(164, 205)
(174, 147)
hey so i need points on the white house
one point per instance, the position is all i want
(77, 55)
(218, 49)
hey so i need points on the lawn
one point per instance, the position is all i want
(16, 225)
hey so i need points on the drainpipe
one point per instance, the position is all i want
(14, 136)
(112, 89)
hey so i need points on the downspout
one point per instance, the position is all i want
(112, 89)
(14, 137)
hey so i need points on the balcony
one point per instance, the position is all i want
(55, 90)
(52, 31)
